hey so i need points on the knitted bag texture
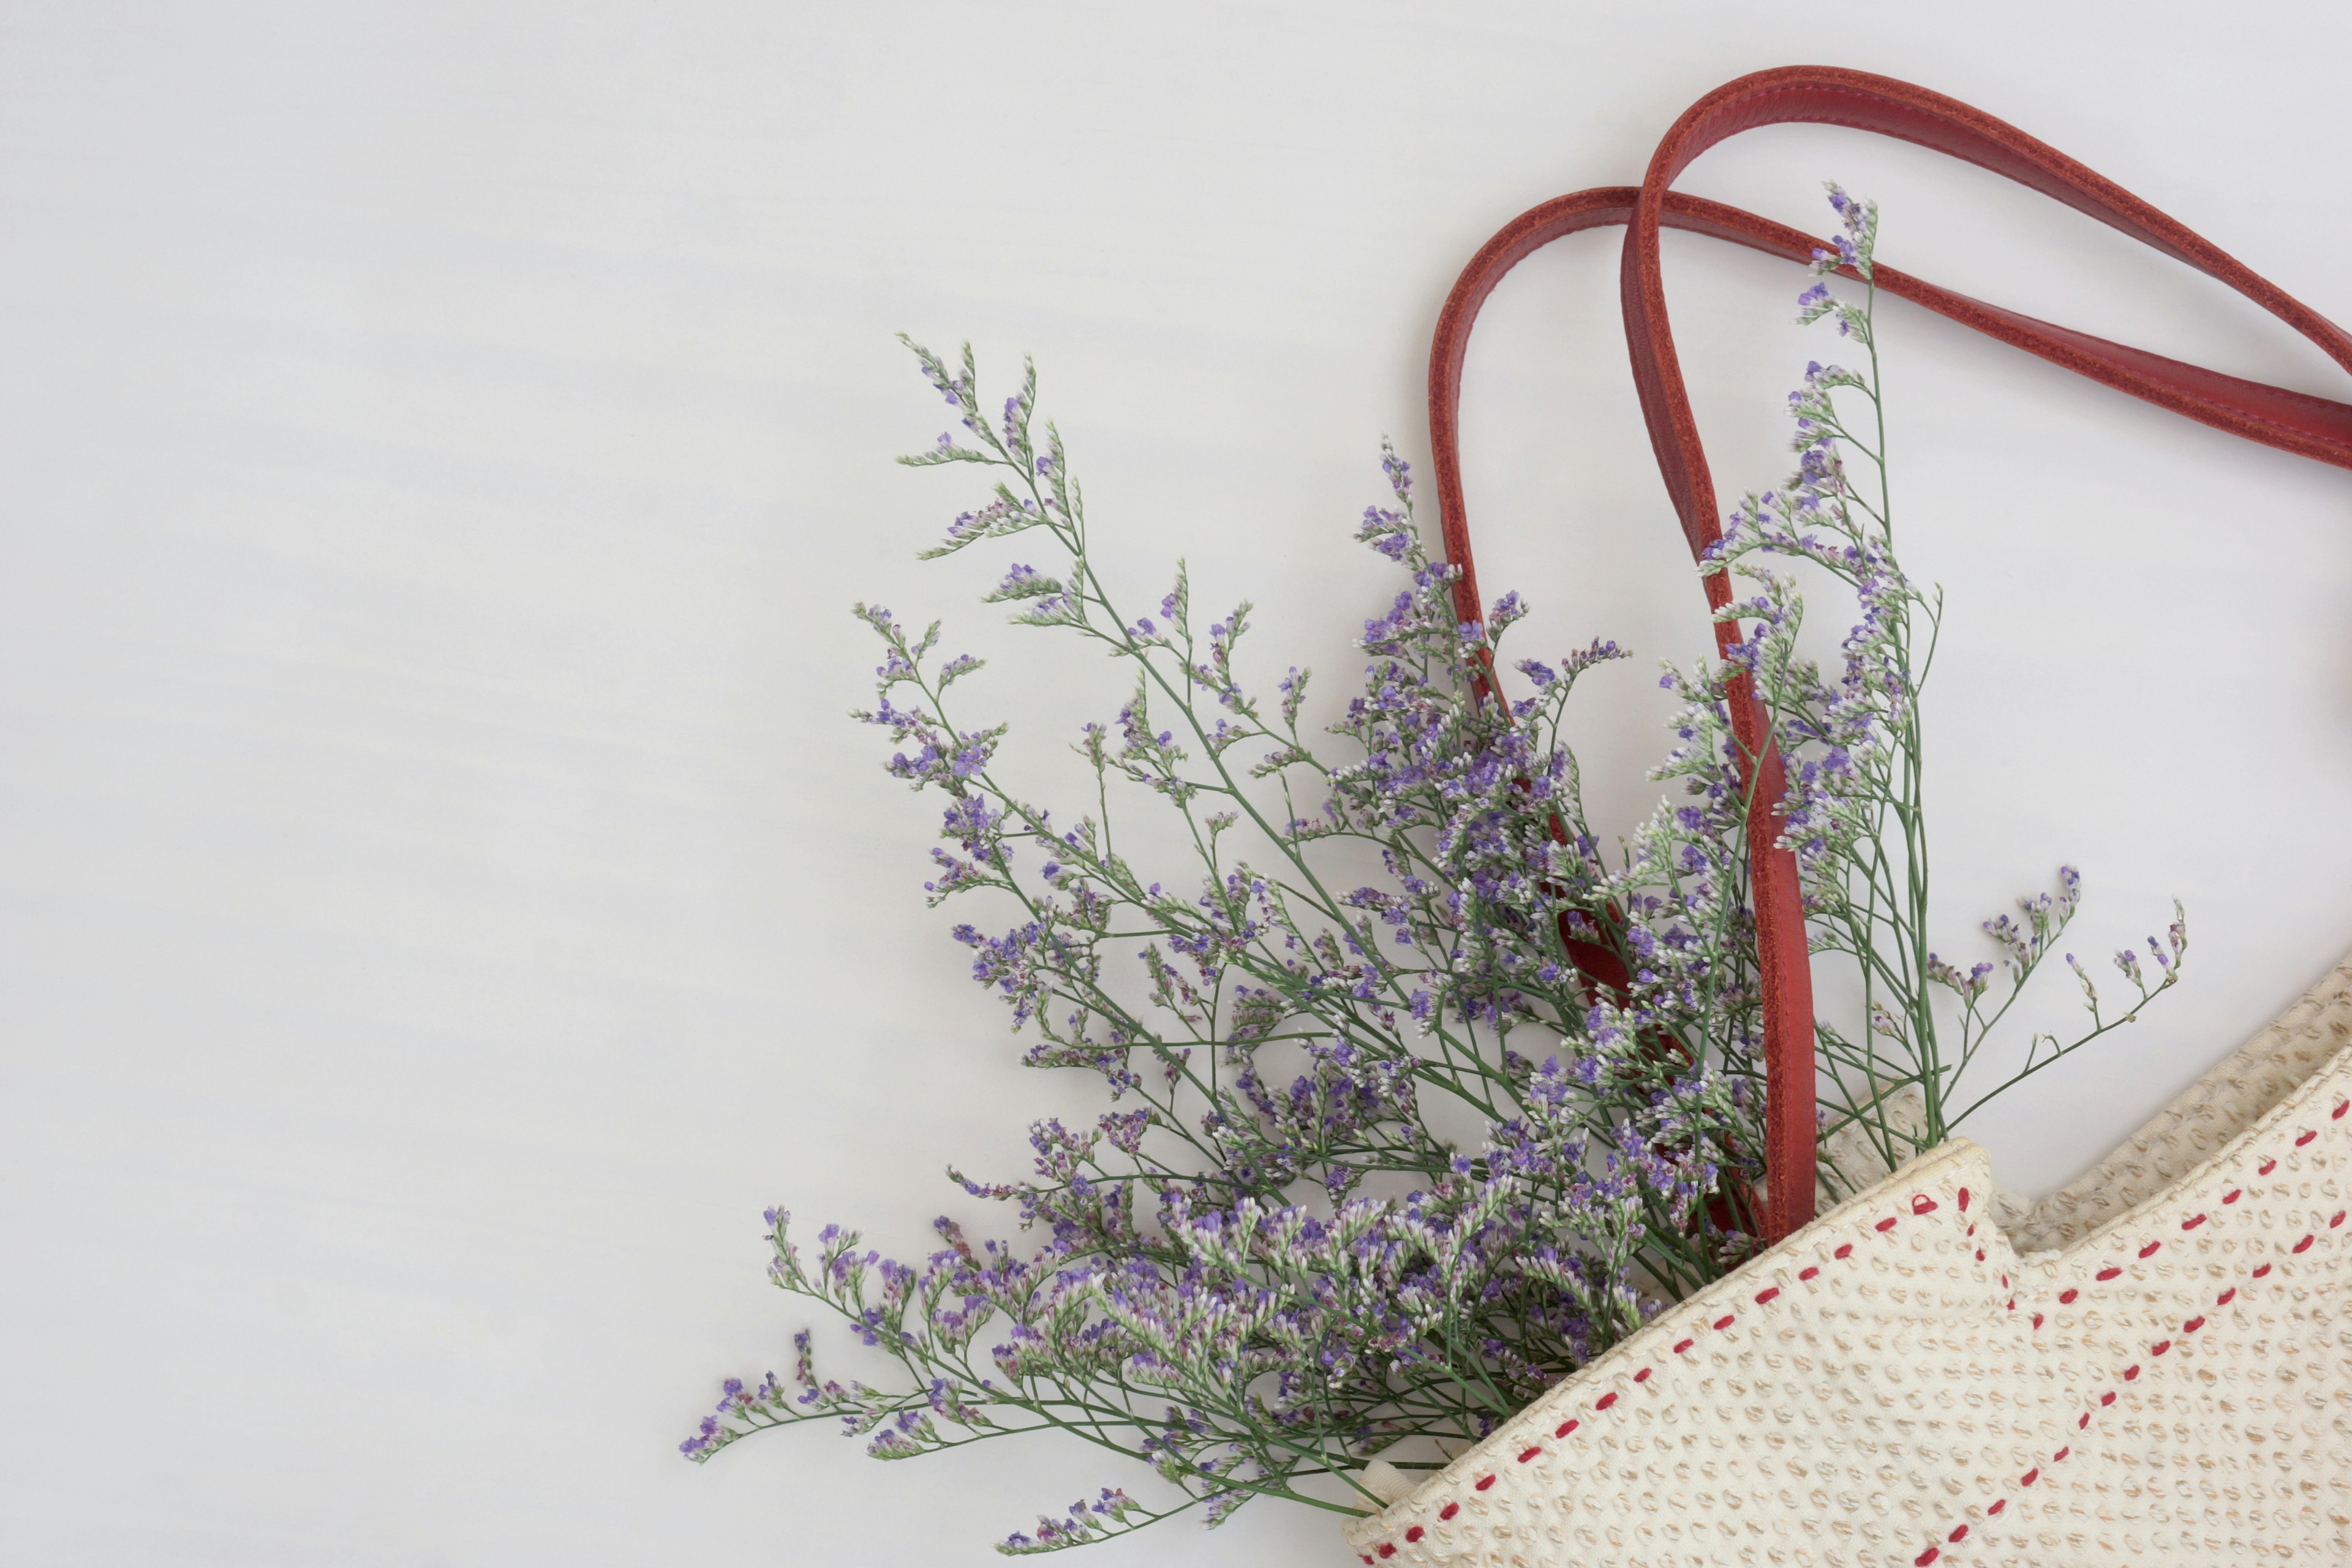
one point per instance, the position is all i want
(2154, 1366)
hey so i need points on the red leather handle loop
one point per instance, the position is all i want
(1825, 95)
(2295, 422)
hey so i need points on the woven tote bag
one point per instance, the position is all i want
(2152, 1366)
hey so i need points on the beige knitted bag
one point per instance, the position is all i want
(2154, 1365)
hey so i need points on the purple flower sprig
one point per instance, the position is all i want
(1857, 238)
(2160, 973)
(1852, 741)
(1111, 1514)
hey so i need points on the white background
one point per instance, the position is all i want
(444, 901)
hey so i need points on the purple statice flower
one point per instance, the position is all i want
(1421, 1091)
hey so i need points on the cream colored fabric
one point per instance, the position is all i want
(2158, 1370)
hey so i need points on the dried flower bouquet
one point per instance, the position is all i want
(1273, 1267)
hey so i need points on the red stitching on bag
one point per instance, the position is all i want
(2267, 1167)
(1763, 1298)
(1413, 1534)
(1922, 1204)
(2308, 1135)
(1387, 1549)
(2337, 1114)
(2337, 1221)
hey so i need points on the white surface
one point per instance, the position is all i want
(443, 901)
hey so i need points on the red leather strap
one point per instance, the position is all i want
(2294, 422)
